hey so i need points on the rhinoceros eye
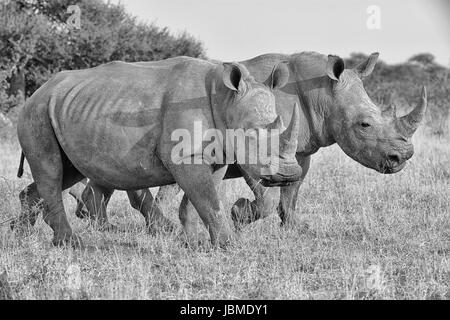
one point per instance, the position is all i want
(365, 124)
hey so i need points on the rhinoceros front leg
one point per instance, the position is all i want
(193, 233)
(199, 185)
(289, 195)
(244, 212)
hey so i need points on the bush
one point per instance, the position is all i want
(36, 42)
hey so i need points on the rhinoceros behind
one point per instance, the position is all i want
(335, 108)
(113, 125)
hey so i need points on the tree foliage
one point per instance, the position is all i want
(36, 41)
(423, 58)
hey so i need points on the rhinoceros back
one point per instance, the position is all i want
(108, 121)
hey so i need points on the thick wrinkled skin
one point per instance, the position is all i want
(113, 125)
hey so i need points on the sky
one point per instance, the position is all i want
(233, 30)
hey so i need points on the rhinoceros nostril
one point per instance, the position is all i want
(394, 159)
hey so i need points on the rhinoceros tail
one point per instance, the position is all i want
(20, 171)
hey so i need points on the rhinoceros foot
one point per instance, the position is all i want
(243, 212)
(81, 211)
(72, 240)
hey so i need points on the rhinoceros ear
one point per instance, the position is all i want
(232, 76)
(279, 76)
(365, 68)
(335, 66)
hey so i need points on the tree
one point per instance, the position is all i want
(36, 41)
(423, 58)
(20, 34)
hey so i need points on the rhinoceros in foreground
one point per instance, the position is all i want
(335, 108)
(113, 124)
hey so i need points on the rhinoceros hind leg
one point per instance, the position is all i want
(142, 200)
(76, 192)
(51, 179)
(243, 212)
(54, 214)
(81, 211)
(95, 199)
(29, 202)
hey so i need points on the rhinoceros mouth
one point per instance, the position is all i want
(387, 167)
(271, 183)
(279, 180)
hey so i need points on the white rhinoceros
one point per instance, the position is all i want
(113, 124)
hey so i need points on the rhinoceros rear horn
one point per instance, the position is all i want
(289, 138)
(409, 123)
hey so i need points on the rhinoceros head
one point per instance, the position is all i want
(250, 106)
(373, 136)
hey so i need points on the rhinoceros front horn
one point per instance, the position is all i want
(289, 138)
(409, 123)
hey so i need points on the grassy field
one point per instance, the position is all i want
(364, 236)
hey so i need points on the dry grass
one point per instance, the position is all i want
(370, 236)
